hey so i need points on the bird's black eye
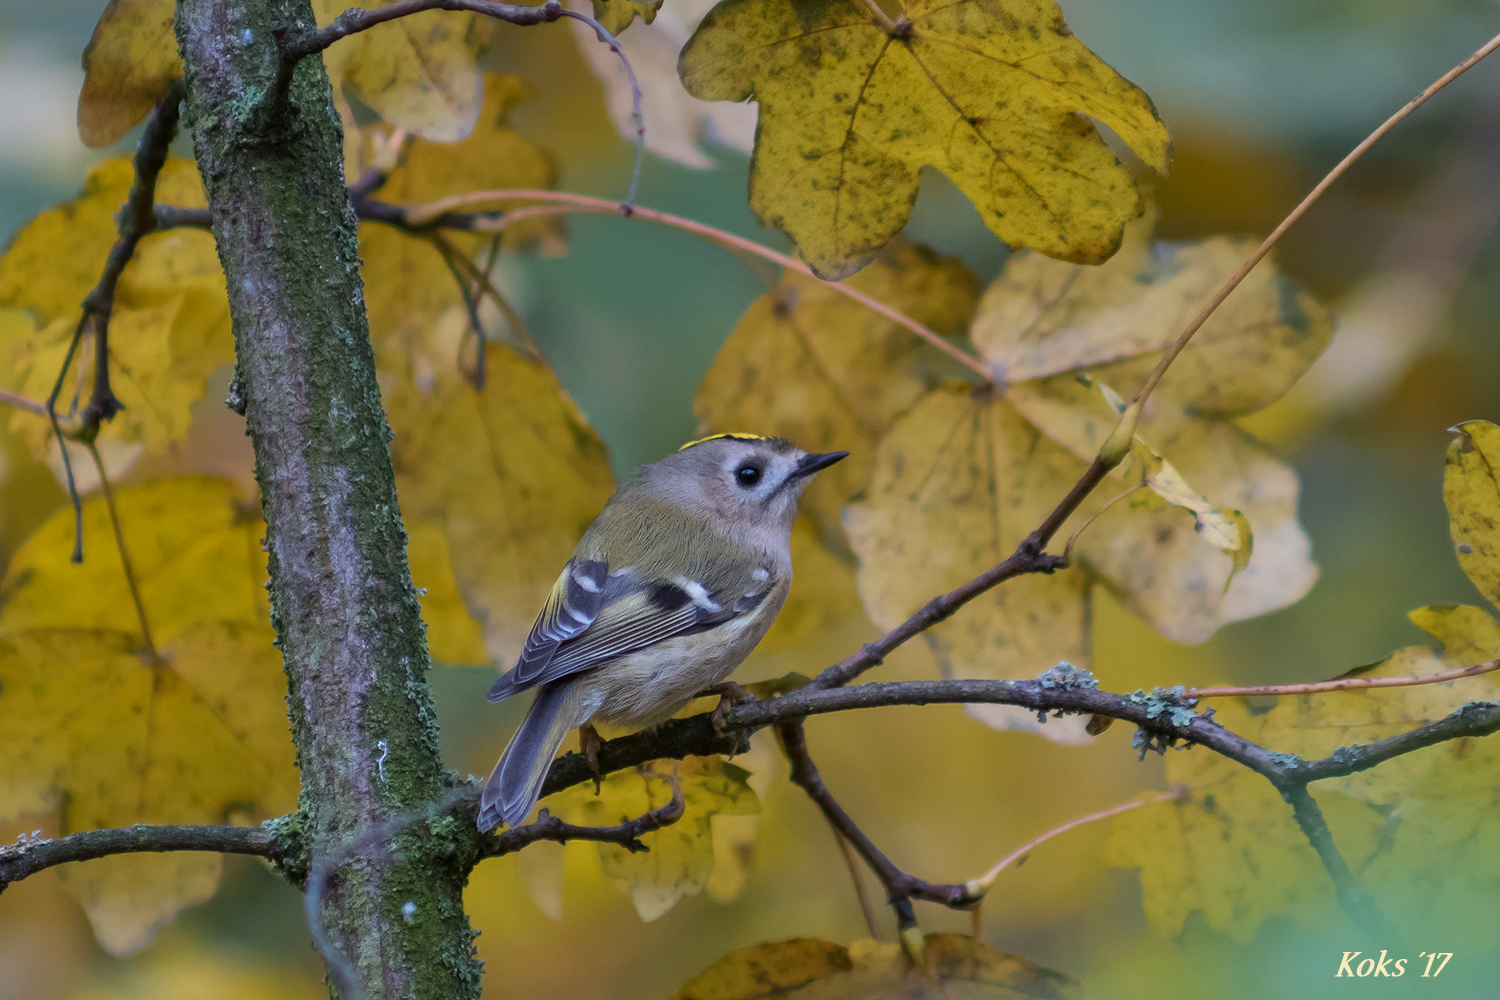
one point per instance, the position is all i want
(748, 475)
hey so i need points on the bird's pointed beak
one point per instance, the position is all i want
(817, 463)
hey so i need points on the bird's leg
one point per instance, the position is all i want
(730, 694)
(589, 742)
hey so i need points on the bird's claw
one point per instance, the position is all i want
(730, 694)
(589, 742)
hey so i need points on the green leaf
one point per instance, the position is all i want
(997, 95)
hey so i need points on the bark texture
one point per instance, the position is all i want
(343, 605)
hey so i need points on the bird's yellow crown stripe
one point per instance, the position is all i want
(734, 436)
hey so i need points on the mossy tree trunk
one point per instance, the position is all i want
(343, 605)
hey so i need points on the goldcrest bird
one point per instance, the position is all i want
(673, 585)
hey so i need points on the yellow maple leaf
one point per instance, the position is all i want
(169, 324)
(112, 737)
(994, 93)
(809, 364)
(129, 65)
(1169, 573)
(1471, 488)
(418, 72)
(1232, 849)
(453, 637)
(513, 475)
(406, 281)
(953, 966)
(682, 856)
(1469, 635)
(959, 481)
(56, 258)
(179, 532)
(617, 15)
(1044, 317)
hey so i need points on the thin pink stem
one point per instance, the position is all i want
(21, 402)
(1344, 683)
(567, 203)
(1270, 241)
(979, 885)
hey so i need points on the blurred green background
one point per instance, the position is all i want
(1262, 99)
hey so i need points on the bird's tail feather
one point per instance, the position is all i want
(516, 782)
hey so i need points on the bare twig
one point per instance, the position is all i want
(125, 563)
(448, 252)
(137, 220)
(900, 887)
(1344, 683)
(296, 47)
(872, 926)
(636, 98)
(21, 402)
(565, 203)
(22, 860)
(981, 885)
(627, 835)
(1353, 899)
(1154, 379)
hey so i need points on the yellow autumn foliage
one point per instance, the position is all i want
(997, 95)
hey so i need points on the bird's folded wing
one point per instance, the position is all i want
(642, 616)
(571, 607)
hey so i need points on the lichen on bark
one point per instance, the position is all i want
(346, 614)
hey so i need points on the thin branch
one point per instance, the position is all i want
(21, 402)
(636, 99)
(900, 887)
(1344, 683)
(627, 835)
(114, 520)
(447, 251)
(981, 885)
(565, 203)
(137, 220)
(296, 47)
(22, 860)
(1477, 718)
(62, 443)
(881, 17)
(872, 925)
(444, 214)
(1029, 557)
(1261, 251)
(1353, 899)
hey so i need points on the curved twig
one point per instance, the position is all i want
(636, 99)
(1154, 379)
(1344, 683)
(566, 203)
(24, 859)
